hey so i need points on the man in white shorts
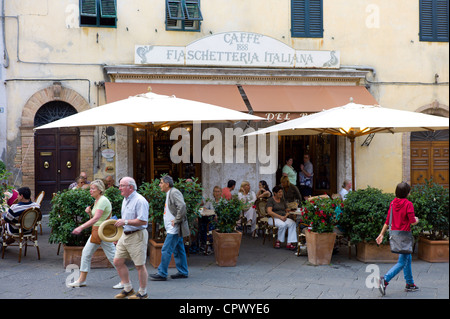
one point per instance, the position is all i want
(133, 243)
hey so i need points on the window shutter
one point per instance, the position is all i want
(307, 18)
(193, 10)
(315, 19)
(433, 24)
(442, 20)
(108, 9)
(298, 18)
(175, 10)
(88, 8)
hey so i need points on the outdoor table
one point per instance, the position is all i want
(207, 212)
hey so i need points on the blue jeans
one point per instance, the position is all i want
(403, 263)
(173, 244)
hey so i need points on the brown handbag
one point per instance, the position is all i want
(95, 239)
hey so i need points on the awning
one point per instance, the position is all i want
(222, 95)
(286, 102)
(273, 102)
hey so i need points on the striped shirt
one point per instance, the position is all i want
(12, 215)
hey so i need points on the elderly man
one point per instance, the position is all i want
(177, 227)
(133, 243)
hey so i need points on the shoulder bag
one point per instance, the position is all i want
(401, 241)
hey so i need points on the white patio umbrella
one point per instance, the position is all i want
(151, 111)
(353, 120)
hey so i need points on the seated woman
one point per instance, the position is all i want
(205, 224)
(263, 193)
(249, 198)
(290, 192)
(279, 213)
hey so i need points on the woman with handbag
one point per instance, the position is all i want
(102, 211)
(399, 219)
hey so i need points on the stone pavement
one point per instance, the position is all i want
(261, 273)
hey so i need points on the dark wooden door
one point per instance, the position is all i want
(56, 159)
(430, 159)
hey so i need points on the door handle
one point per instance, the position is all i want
(46, 164)
(69, 164)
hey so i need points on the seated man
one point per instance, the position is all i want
(75, 183)
(12, 215)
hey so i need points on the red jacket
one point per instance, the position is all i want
(403, 214)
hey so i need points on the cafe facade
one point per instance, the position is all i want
(61, 59)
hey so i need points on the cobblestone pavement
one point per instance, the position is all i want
(261, 273)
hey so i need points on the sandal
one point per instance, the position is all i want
(290, 246)
(277, 245)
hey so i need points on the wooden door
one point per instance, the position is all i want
(56, 159)
(430, 159)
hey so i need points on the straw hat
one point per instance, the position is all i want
(108, 232)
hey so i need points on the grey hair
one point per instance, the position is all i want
(99, 184)
(132, 182)
(168, 179)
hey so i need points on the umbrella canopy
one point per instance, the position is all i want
(150, 109)
(353, 120)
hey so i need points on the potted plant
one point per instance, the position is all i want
(364, 214)
(67, 213)
(227, 240)
(192, 193)
(320, 215)
(431, 206)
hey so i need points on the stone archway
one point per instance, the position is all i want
(434, 108)
(55, 92)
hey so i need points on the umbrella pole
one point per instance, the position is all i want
(352, 141)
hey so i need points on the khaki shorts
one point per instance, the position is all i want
(133, 246)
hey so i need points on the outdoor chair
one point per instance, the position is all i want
(39, 201)
(27, 224)
(262, 221)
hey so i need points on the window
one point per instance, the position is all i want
(183, 15)
(307, 18)
(433, 20)
(98, 13)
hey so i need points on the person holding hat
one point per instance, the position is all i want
(177, 227)
(133, 243)
(102, 211)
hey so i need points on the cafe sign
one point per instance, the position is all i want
(236, 49)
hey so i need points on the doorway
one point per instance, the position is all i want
(56, 151)
(430, 157)
(322, 150)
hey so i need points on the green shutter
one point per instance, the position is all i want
(307, 18)
(175, 10)
(88, 8)
(108, 9)
(442, 20)
(433, 18)
(193, 10)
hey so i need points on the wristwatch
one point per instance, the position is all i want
(126, 221)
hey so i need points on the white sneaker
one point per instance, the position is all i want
(118, 286)
(77, 284)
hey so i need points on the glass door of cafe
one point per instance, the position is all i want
(162, 145)
(323, 154)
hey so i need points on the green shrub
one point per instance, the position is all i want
(116, 199)
(365, 213)
(67, 213)
(228, 213)
(431, 206)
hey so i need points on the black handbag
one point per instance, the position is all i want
(401, 241)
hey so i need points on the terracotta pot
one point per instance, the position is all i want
(320, 247)
(226, 248)
(373, 253)
(154, 253)
(72, 255)
(433, 251)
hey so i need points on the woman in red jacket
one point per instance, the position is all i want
(402, 218)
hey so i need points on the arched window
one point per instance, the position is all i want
(52, 111)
